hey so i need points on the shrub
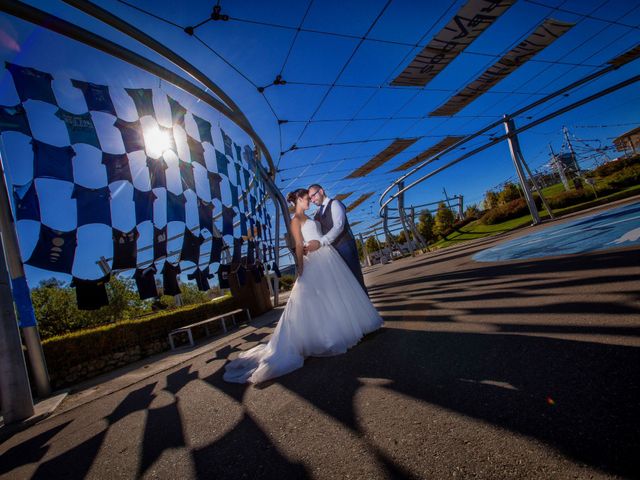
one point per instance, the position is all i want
(286, 282)
(610, 168)
(572, 197)
(63, 352)
(626, 177)
(513, 209)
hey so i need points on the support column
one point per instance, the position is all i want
(15, 391)
(20, 292)
(403, 220)
(276, 282)
(514, 147)
(365, 252)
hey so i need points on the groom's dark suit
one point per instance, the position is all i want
(344, 243)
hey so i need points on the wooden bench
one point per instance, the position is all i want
(187, 328)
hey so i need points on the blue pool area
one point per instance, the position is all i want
(617, 227)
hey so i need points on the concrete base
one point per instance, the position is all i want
(42, 410)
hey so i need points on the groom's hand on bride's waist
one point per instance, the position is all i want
(312, 246)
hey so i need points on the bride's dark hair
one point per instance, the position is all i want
(296, 194)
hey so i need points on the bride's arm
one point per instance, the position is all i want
(296, 231)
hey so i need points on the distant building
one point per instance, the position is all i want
(628, 142)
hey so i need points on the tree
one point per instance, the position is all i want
(510, 192)
(191, 295)
(425, 226)
(360, 252)
(372, 244)
(472, 211)
(444, 220)
(490, 200)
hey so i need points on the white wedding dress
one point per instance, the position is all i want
(327, 313)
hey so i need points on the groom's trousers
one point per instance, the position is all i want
(349, 252)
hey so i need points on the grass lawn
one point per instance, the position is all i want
(475, 229)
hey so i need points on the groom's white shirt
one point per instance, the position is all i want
(339, 217)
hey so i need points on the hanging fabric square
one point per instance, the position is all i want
(177, 112)
(216, 249)
(92, 205)
(157, 172)
(175, 207)
(249, 157)
(25, 199)
(54, 251)
(143, 100)
(226, 140)
(223, 275)
(91, 294)
(238, 159)
(191, 247)
(247, 178)
(251, 247)
(159, 242)
(204, 129)
(170, 274)
(167, 133)
(196, 151)
(243, 224)
(117, 166)
(96, 96)
(237, 251)
(214, 184)
(31, 83)
(222, 163)
(52, 162)
(80, 127)
(14, 119)
(144, 205)
(186, 174)
(227, 220)
(205, 215)
(125, 249)
(202, 278)
(238, 168)
(234, 195)
(132, 137)
(146, 281)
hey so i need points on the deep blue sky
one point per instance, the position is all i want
(249, 51)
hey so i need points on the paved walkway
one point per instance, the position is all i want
(512, 369)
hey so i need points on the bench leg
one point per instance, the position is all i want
(224, 325)
(233, 319)
(190, 337)
(173, 347)
(248, 315)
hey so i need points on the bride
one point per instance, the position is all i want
(327, 312)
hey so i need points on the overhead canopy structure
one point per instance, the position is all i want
(468, 23)
(438, 147)
(359, 201)
(546, 33)
(384, 156)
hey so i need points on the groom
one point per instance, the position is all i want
(332, 216)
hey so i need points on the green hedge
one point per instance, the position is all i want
(66, 351)
(514, 209)
(610, 168)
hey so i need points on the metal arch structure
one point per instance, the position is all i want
(227, 106)
(614, 64)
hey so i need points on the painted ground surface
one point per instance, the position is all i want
(618, 227)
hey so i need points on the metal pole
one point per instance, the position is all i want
(514, 148)
(556, 163)
(365, 252)
(460, 207)
(21, 294)
(15, 391)
(276, 282)
(414, 229)
(402, 219)
(536, 186)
